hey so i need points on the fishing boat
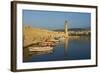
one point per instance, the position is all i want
(44, 44)
(40, 49)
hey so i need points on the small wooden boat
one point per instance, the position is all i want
(52, 40)
(46, 43)
(40, 49)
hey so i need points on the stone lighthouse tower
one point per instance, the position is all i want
(66, 28)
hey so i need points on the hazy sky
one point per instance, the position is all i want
(55, 20)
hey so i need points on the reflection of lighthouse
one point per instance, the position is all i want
(66, 46)
(66, 29)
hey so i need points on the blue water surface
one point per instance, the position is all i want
(71, 49)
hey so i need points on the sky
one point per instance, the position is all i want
(55, 19)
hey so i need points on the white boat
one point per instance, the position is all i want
(40, 49)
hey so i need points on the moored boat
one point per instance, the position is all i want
(40, 49)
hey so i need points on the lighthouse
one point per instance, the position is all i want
(66, 28)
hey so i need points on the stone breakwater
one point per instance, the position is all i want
(33, 35)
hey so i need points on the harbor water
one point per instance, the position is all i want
(68, 49)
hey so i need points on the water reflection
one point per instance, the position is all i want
(71, 48)
(65, 46)
(28, 54)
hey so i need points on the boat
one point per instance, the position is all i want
(52, 40)
(40, 49)
(44, 44)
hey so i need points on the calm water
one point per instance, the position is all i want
(69, 49)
